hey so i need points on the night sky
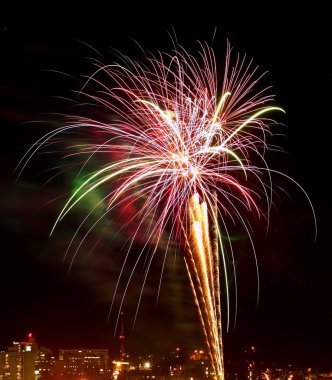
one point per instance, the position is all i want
(45, 54)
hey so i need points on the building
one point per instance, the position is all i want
(18, 362)
(45, 362)
(83, 362)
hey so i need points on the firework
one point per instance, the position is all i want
(186, 150)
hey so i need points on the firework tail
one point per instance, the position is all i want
(202, 263)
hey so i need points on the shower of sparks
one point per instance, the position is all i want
(190, 153)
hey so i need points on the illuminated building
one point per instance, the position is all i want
(45, 362)
(83, 362)
(18, 363)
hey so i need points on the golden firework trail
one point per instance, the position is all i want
(183, 148)
(202, 263)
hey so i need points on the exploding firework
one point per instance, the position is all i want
(187, 151)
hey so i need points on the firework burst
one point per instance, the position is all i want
(187, 150)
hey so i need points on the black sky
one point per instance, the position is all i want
(293, 319)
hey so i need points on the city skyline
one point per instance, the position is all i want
(27, 360)
(292, 318)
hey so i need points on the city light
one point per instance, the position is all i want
(87, 364)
